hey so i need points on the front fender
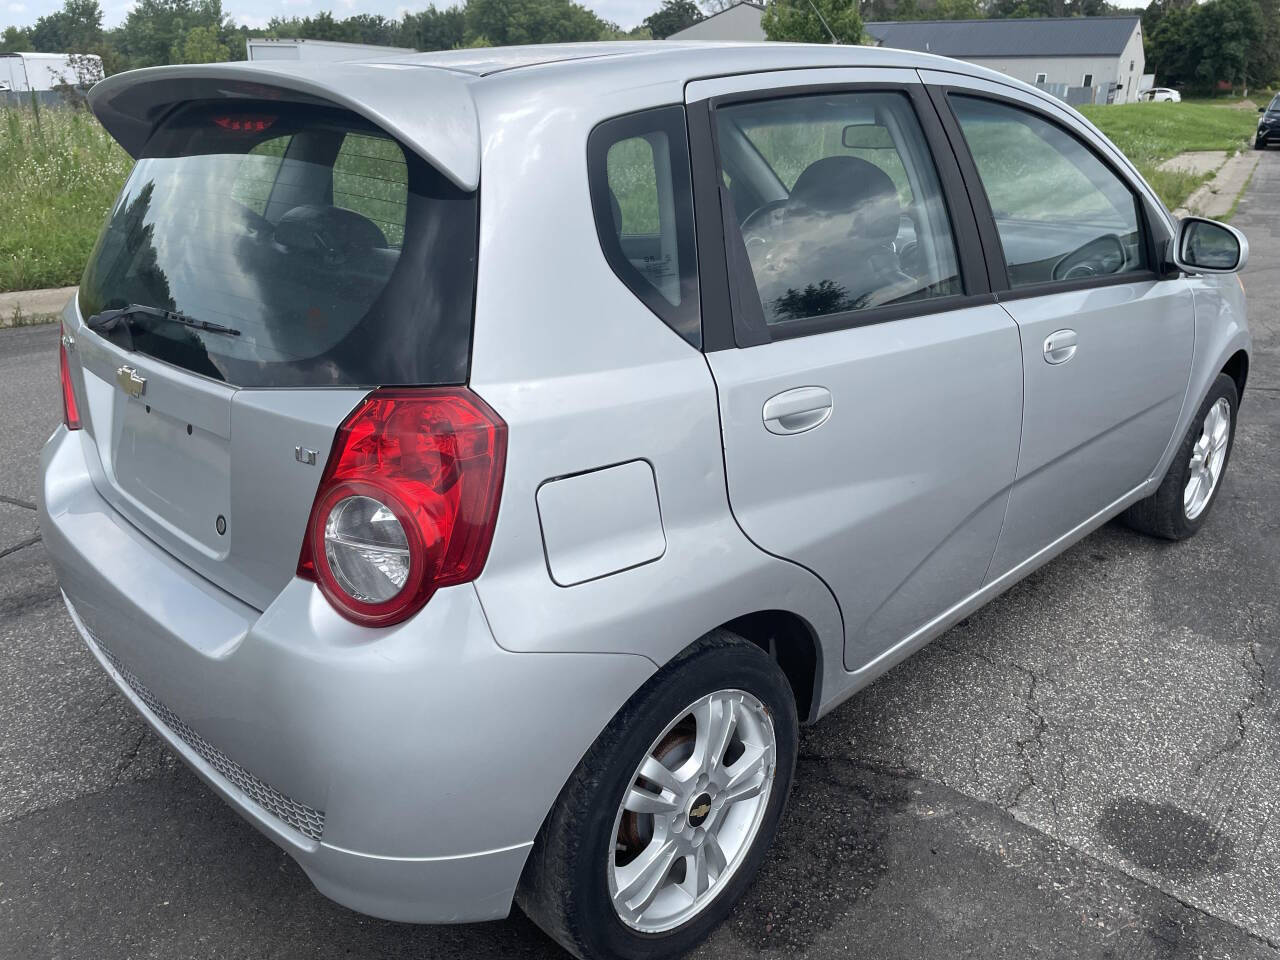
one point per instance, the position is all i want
(1221, 331)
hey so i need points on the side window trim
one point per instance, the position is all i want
(726, 281)
(684, 318)
(1000, 282)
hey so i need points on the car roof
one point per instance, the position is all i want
(390, 89)
(692, 59)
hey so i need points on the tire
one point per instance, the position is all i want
(1259, 143)
(1165, 513)
(566, 886)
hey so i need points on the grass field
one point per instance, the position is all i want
(1150, 133)
(61, 172)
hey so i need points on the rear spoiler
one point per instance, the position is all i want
(429, 109)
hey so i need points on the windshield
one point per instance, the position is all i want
(339, 256)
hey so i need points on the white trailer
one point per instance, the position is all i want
(24, 72)
(272, 48)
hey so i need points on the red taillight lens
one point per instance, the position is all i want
(407, 503)
(70, 412)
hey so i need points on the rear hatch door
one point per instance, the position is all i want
(335, 259)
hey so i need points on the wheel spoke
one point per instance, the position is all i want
(697, 876)
(642, 801)
(715, 856)
(744, 776)
(715, 728)
(1221, 423)
(657, 772)
(641, 880)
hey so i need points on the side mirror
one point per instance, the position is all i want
(1262, 109)
(1206, 246)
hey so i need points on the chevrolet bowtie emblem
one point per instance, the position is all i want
(130, 382)
(700, 811)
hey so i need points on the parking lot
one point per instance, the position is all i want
(1088, 767)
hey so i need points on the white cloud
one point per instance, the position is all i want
(17, 8)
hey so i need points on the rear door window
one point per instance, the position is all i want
(643, 206)
(337, 255)
(838, 203)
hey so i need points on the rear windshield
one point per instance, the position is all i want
(338, 256)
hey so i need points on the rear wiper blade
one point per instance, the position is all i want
(108, 320)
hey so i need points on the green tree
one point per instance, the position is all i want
(1226, 29)
(672, 16)
(799, 21)
(200, 45)
(15, 40)
(506, 22)
(434, 29)
(73, 29)
(373, 28)
(958, 10)
(1008, 9)
(1263, 65)
(1171, 42)
(154, 28)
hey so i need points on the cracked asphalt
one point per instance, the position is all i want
(1087, 767)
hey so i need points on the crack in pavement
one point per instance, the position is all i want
(1022, 745)
(1257, 673)
(129, 757)
(15, 502)
(20, 545)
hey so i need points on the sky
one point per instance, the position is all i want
(256, 13)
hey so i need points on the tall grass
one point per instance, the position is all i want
(1150, 133)
(59, 173)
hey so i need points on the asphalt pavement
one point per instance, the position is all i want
(1088, 767)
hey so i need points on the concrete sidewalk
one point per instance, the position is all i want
(33, 306)
(1216, 198)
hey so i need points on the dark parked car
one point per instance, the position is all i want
(1268, 124)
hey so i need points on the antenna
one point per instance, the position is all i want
(823, 21)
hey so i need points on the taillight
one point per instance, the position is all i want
(407, 503)
(70, 412)
(245, 124)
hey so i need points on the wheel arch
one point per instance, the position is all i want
(794, 645)
(1237, 368)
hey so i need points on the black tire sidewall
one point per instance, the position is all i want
(590, 814)
(1180, 470)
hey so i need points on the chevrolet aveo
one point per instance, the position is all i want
(476, 465)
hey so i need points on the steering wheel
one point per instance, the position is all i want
(1101, 256)
(262, 228)
(760, 212)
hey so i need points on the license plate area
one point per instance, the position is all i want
(175, 469)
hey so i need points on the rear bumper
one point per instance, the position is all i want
(407, 770)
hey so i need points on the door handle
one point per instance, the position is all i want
(1060, 346)
(797, 410)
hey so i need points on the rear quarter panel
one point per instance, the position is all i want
(587, 377)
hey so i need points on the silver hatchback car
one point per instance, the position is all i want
(476, 465)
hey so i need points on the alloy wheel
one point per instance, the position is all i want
(692, 811)
(1208, 458)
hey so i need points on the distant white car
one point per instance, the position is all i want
(1160, 95)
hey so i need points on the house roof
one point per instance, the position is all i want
(1032, 37)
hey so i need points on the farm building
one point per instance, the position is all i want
(271, 48)
(1080, 59)
(739, 22)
